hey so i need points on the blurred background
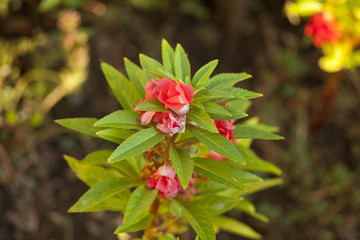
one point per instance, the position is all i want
(50, 54)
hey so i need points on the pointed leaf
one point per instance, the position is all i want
(121, 86)
(97, 157)
(151, 65)
(168, 56)
(138, 225)
(249, 208)
(115, 135)
(219, 144)
(120, 119)
(103, 191)
(241, 93)
(137, 76)
(204, 73)
(267, 183)
(83, 125)
(211, 95)
(235, 114)
(251, 131)
(218, 172)
(213, 108)
(136, 144)
(236, 227)
(114, 204)
(197, 219)
(183, 165)
(139, 202)
(182, 65)
(153, 105)
(226, 80)
(90, 174)
(125, 168)
(215, 205)
(255, 163)
(201, 118)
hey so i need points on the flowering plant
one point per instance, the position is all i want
(163, 172)
(334, 26)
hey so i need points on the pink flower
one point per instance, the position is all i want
(169, 123)
(225, 128)
(174, 95)
(166, 181)
(323, 28)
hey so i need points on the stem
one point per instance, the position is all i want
(170, 141)
(329, 93)
(4, 157)
(149, 232)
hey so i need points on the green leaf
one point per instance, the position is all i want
(182, 65)
(241, 93)
(48, 5)
(218, 172)
(211, 95)
(139, 202)
(120, 119)
(151, 105)
(97, 157)
(197, 219)
(151, 66)
(249, 208)
(90, 174)
(83, 125)
(204, 73)
(114, 204)
(103, 191)
(213, 108)
(267, 183)
(138, 225)
(234, 114)
(123, 89)
(215, 205)
(166, 236)
(183, 165)
(137, 76)
(226, 80)
(125, 168)
(253, 132)
(210, 188)
(168, 56)
(115, 135)
(219, 144)
(175, 209)
(236, 227)
(136, 144)
(201, 118)
(255, 163)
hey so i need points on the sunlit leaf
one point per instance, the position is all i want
(103, 191)
(182, 65)
(136, 144)
(197, 219)
(183, 165)
(120, 119)
(236, 227)
(219, 144)
(139, 202)
(121, 86)
(137, 76)
(83, 125)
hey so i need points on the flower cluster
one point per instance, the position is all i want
(173, 95)
(333, 27)
(323, 28)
